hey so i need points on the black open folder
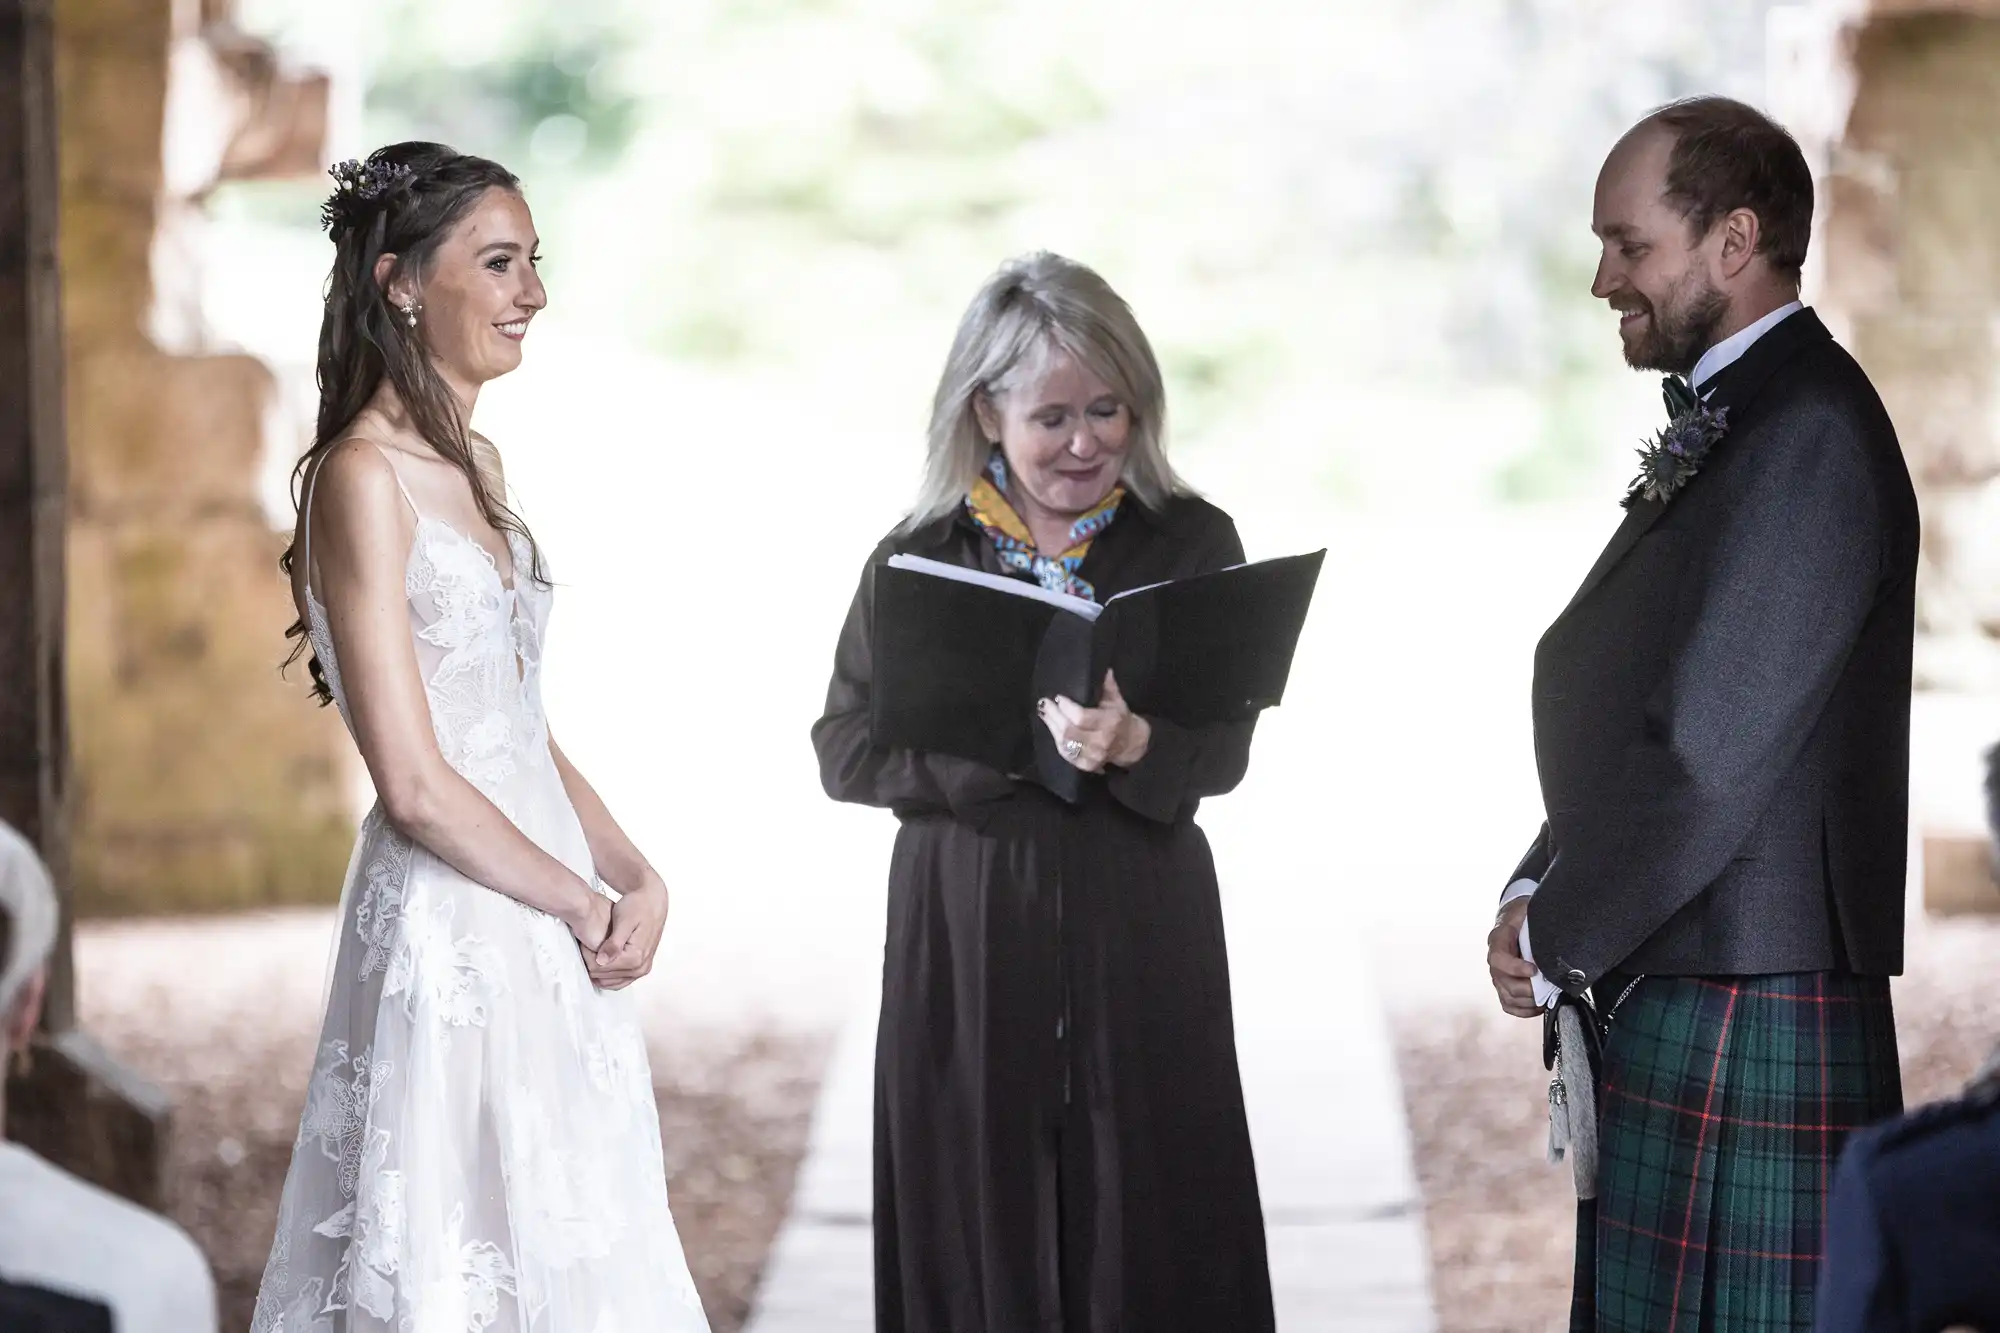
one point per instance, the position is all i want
(961, 656)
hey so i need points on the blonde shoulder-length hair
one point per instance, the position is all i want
(1036, 306)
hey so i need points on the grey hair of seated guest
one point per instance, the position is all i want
(28, 920)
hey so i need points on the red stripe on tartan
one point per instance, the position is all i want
(1819, 990)
(1617, 1225)
(1779, 995)
(1701, 1140)
(1610, 1092)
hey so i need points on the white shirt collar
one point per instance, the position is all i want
(1723, 354)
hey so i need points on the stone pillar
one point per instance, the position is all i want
(1913, 260)
(74, 1105)
(135, 565)
(1901, 106)
(203, 779)
(34, 747)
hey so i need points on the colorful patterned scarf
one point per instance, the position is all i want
(1008, 531)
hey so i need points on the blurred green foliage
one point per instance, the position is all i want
(549, 93)
(1357, 234)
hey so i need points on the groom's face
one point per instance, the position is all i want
(1653, 271)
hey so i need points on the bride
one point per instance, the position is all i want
(480, 1148)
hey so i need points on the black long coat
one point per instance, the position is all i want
(1059, 1133)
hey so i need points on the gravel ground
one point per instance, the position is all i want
(223, 1012)
(735, 1108)
(1501, 1224)
(733, 1113)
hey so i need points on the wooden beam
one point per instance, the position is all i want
(34, 749)
(77, 1107)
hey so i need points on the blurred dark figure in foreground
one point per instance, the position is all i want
(26, 1309)
(1993, 805)
(1913, 1233)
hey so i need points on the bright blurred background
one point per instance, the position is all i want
(1357, 235)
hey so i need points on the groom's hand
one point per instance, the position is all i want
(1512, 974)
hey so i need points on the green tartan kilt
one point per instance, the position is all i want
(1724, 1103)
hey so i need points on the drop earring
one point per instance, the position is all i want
(410, 313)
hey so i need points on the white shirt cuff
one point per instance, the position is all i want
(1546, 991)
(1520, 888)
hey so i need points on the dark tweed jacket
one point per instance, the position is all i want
(1722, 711)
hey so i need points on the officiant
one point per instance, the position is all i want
(1060, 1139)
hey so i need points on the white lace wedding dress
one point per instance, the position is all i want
(480, 1148)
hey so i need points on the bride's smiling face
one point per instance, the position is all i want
(1063, 433)
(481, 290)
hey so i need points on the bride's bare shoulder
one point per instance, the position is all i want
(356, 487)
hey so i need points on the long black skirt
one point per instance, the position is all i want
(1060, 1142)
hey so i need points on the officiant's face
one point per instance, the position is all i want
(1063, 432)
(1653, 270)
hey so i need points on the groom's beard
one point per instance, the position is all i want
(1680, 330)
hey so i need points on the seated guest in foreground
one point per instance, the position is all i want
(1913, 1223)
(57, 1233)
(26, 1309)
(1059, 1129)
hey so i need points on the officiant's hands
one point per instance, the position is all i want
(1092, 739)
(1513, 975)
(637, 921)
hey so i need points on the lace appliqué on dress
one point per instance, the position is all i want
(490, 1160)
(439, 975)
(387, 876)
(321, 638)
(482, 690)
(373, 1227)
(342, 1093)
(563, 1204)
(468, 691)
(467, 1298)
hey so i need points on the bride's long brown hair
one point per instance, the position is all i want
(403, 201)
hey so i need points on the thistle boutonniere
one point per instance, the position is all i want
(1674, 455)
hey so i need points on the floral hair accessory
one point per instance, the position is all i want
(357, 186)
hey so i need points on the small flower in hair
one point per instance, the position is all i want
(357, 184)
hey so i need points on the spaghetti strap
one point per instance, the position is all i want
(397, 473)
(305, 506)
(306, 523)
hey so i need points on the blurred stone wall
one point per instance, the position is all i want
(1898, 103)
(1912, 266)
(203, 779)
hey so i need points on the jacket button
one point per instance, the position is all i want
(1575, 976)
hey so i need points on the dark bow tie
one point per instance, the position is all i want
(1679, 396)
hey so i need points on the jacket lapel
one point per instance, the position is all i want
(1732, 388)
(1641, 516)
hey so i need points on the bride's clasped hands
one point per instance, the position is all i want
(628, 936)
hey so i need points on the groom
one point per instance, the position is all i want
(1722, 732)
